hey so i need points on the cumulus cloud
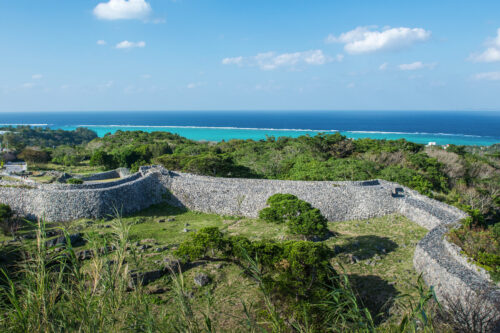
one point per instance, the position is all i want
(415, 65)
(367, 39)
(101, 42)
(383, 67)
(129, 45)
(492, 52)
(122, 10)
(490, 76)
(37, 76)
(272, 60)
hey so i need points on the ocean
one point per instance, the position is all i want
(441, 127)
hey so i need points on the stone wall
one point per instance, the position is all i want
(440, 267)
(118, 173)
(63, 202)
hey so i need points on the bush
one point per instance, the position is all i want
(495, 230)
(293, 267)
(299, 215)
(5, 212)
(480, 244)
(407, 177)
(34, 156)
(5, 215)
(74, 181)
(101, 158)
(206, 241)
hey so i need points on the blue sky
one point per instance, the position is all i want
(249, 55)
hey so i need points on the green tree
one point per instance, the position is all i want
(101, 158)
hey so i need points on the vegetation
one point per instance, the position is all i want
(6, 214)
(481, 244)
(300, 217)
(26, 136)
(74, 181)
(282, 282)
(258, 282)
(459, 175)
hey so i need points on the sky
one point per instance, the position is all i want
(249, 55)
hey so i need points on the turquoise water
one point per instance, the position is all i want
(442, 127)
(228, 133)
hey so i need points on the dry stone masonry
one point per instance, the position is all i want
(440, 263)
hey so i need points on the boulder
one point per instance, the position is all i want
(201, 279)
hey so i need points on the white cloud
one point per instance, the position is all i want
(490, 76)
(122, 10)
(146, 76)
(351, 85)
(232, 61)
(492, 52)
(272, 60)
(101, 42)
(195, 85)
(366, 40)
(383, 67)
(28, 85)
(105, 85)
(129, 45)
(415, 65)
(37, 76)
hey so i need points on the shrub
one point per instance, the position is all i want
(207, 240)
(34, 155)
(293, 267)
(407, 177)
(5, 211)
(74, 181)
(480, 244)
(101, 158)
(298, 215)
(495, 230)
(5, 215)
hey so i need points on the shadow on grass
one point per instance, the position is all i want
(375, 293)
(162, 209)
(367, 246)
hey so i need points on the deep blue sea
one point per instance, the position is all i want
(442, 127)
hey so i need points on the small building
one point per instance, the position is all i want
(431, 143)
(16, 167)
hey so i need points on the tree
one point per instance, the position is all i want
(101, 158)
(34, 155)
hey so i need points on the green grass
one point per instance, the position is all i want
(378, 283)
(82, 169)
(43, 179)
(232, 292)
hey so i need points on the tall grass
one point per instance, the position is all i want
(51, 290)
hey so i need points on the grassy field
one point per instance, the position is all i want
(376, 254)
(82, 169)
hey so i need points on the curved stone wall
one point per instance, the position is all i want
(440, 266)
(61, 202)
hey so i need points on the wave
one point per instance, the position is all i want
(419, 133)
(25, 124)
(285, 130)
(215, 127)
